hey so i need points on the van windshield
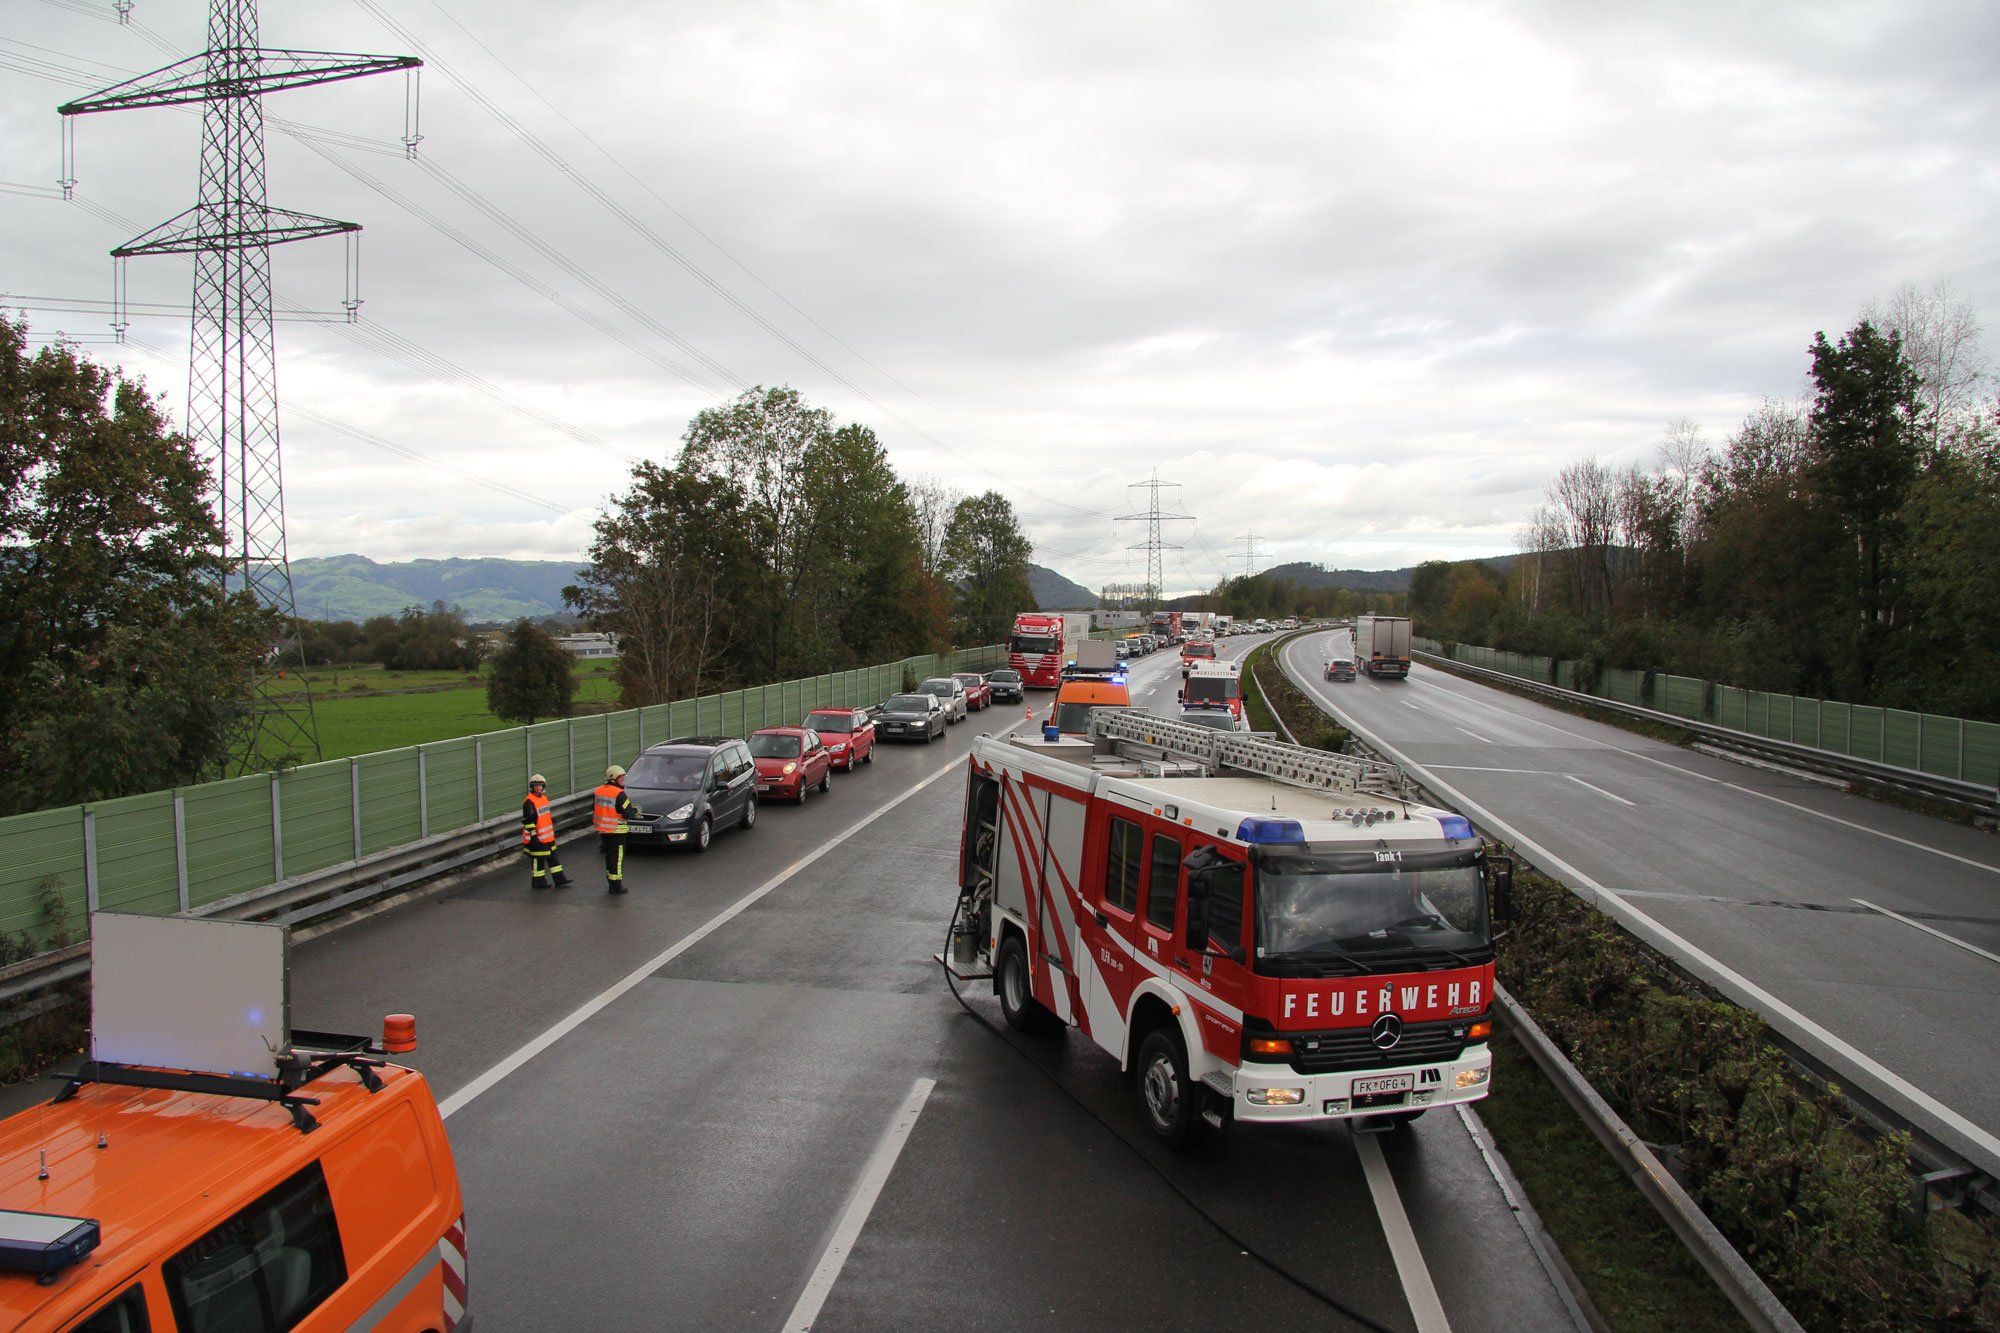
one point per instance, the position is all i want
(667, 772)
(1213, 689)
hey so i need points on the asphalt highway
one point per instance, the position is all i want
(741, 1096)
(1866, 932)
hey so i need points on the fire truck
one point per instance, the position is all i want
(1256, 931)
(1214, 685)
(1040, 644)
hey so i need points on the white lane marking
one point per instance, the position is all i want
(1599, 790)
(1747, 991)
(1930, 930)
(1407, 704)
(485, 1083)
(866, 1190)
(1723, 782)
(1425, 1307)
(1475, 735)
(1475, 768)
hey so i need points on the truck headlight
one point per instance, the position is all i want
(1471, 1078)
(1275, 1096)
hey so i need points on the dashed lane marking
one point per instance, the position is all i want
(511, 1064)
(1929, 930)
(866, 1191)
(1599, 790)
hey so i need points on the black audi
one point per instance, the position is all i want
(911, 717)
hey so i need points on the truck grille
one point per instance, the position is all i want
(1350, 1048)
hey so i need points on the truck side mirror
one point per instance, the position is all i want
(1502, 868)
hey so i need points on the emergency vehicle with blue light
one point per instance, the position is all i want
(1258, 931)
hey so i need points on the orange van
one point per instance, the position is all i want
(1077, 695)
(334, 1207)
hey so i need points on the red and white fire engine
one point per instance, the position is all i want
(1258, 931)
(1214, 685)
(1040, 644)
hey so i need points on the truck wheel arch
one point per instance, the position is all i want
(1153, 1005)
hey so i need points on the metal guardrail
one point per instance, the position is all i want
(325, 893)
(1971, 795)
(1731, 1274)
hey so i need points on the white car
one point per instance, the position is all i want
(950, 692)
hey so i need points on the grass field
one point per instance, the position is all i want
(355, 721)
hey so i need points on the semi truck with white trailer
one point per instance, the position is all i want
(1382, 645)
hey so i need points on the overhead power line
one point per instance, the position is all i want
(638, 226)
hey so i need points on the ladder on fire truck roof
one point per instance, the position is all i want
(1295, 765)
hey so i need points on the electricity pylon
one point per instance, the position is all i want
(232, 365)
(1153, 517)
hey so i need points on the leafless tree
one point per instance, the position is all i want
(934, 503)
(1580, 523)
(1940, 332)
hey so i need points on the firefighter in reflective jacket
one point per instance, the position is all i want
(609, 811)
(538, 837)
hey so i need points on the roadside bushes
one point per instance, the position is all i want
(1309, 723)
(1823, 1213)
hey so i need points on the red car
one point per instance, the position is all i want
(790, 762)
(848, 733)
(978, 694)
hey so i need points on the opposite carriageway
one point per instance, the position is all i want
(1863, 932)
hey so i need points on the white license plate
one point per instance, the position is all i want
(1368, 1087)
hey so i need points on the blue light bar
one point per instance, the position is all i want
(1455, 826)
(1255, 829)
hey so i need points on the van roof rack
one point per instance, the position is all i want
(1294, 765)
(309, 1056)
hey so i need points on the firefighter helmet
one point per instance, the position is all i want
(537, 780)
(614, 772)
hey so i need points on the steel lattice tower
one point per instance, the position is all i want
(232, 366)
(1153, 517)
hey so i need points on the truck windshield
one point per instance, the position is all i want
(1314, 903)
(1032, 643)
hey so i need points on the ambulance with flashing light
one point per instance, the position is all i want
(319, 1194)
(1214, 685)
(1257, 931)
(1041, 642)
(1095, 680)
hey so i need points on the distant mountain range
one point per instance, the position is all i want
(353, 587)
(1053, 592)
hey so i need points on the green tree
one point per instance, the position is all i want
(1866, 449)
(773, 449)
(666, 565)
(986, 561)
(532, 677)
(433, 640)
(125, 665)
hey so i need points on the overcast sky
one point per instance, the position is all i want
(1359, 277)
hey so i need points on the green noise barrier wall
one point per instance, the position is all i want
(180, 850)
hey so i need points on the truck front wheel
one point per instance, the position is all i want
(1173, 1102)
